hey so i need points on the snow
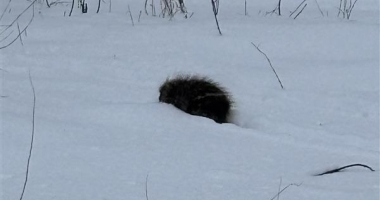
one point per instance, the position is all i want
(100, 132)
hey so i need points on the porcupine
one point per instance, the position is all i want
(197, 95)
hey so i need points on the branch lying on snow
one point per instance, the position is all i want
(283, 189)
(32, 138)
(18, 16)
(341, 168)
(270, 63)
(6, 8)
(16, 20)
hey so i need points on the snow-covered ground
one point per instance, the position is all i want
(100, 132)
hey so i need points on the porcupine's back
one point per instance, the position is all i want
(197, 96)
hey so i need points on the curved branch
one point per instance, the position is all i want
(20, 32)
(341, 168)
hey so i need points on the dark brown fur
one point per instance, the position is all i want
(197, 96)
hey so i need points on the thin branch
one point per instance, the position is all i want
(297, 8)
(11, 24)
(6, 36)
(97, 11)
(32, 139)
(245, 8)
(47, 3)
(279, 189)
(277, 8)
(72, 7)
(139, 16)
(340, 8)
(300, 11)
(6, 7)
(153, 8)
(341, 168)
(350, 9)
(19, 35)
(84, 6)
(130, 14)
(146, 187)
(269, 63)
(319, 8)
(215, 9)
(146, 3)
(182, 6)
(292, 184)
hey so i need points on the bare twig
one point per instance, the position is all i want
(319, 8)
(269, 63)
(346, 8)
(341, 168)
(350, 9)
(277, 9)
(84, 6)
(6, 7)
(300, 11)
(47, 3)
(182, 6)
(215, 9)
(139, 16)
(340, 7)
(166, 8)
(72, 7)
(97, 11)
(245, 8)
(292, 184)
(16, 19)
(19, 33)
(146, 187)
(297, 8)
(146, 10)
(23, 31)
(32, 139)
(55, 3)
(153, 9)
(6, 36)
(130, 14)
(279, 189)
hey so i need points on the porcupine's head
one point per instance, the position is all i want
(167, 92)
(175, 91)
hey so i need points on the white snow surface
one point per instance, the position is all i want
(101, 134)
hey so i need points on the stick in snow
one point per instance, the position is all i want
(32, 139)
(269, 63)
(341, 168)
